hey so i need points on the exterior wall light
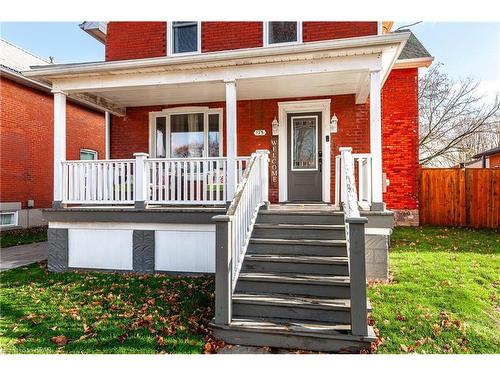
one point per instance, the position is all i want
(333, 124)
(275, 126)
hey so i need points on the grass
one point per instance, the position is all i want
(443, 298)
(74, 312)
(23, 236)
(444, 292)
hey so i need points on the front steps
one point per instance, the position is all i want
(293, 290)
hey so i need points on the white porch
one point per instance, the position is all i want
(356, 66)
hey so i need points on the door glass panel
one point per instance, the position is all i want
(304, 147)
(161, 136)
(186, 135)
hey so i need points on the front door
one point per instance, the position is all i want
(304, 156)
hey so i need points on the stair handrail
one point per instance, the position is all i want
(355, 238)
(233, 231)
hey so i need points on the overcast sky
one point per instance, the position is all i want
(465, 48)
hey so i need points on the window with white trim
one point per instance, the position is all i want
(190, 134)
(185, 37)
(282, 32)
(8, 219)
(86, 154)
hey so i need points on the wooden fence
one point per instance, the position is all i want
(460, 197)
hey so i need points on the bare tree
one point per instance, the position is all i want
(456, 121)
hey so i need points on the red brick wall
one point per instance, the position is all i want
(400, 123)
(26, 141)
(219, 36)
(135, 40)
(315, 31)
(400, 138)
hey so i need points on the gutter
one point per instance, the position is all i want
(419, 62)
(220, 59)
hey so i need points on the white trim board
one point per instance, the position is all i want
(132, 226)
(317, 105)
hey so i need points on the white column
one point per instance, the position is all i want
(107, 117)
(231, 138)
(140, 180)
(376, 140)
(59, 145)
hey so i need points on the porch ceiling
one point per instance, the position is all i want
(318, 84)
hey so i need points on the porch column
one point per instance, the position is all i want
(59, 145)
(376, 140)
(231, 138)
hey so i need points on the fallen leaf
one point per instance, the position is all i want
(59, 340)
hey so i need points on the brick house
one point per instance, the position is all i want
(27, 139)
(273, 154)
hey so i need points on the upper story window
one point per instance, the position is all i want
(195, 133)
(185, 37)
(282, 32)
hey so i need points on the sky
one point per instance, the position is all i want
(465, 48)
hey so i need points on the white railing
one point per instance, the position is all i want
(355, 240)
(186, 181)
(98, 181)
(155, 181)
(251, 194)
(241, 164)
(362, 167)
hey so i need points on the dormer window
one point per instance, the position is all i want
(185, 37)
(282, 32)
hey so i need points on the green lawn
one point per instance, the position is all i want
(444, 292)
(443, 298)
(23, 236)
(44, 312)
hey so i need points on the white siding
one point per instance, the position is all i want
(190, 249)
(100, 248)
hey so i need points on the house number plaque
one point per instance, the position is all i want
(259, 132)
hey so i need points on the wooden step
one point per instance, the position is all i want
(307, 264)
(324, 337)
(300, 217)
(279, 306)
(293, 283)
(297, 247)
(299, 231)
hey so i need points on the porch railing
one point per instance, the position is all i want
(362, 167)
(355, 236)
(234, 229)
(98, 181)
(152, 181)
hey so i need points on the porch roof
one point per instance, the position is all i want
(311, 69)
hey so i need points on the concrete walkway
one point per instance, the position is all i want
(17, 256)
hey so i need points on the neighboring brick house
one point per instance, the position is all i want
(296, 141)
(26, 134)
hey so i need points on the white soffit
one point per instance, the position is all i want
(264, 88)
